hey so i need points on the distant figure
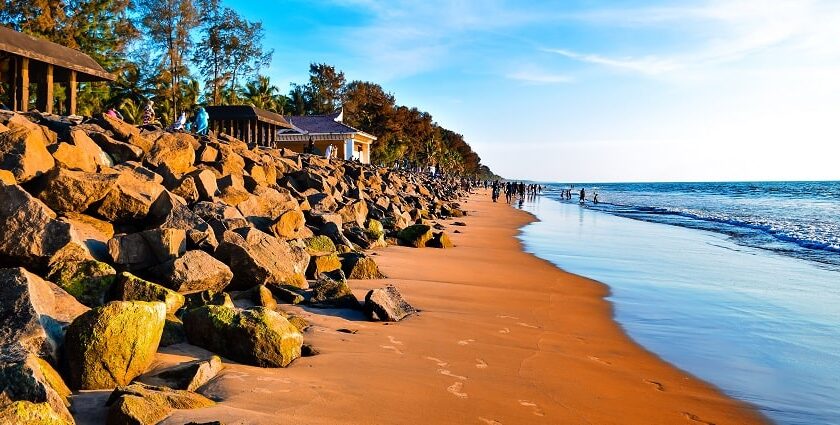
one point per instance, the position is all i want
(202, 121)
(179, 124)
(113, 113)
(582, 196)
(149, 113)
(329, 152)
(595, 199)
(310, 147)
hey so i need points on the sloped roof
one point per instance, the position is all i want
(246, 112)
(48, 52)
(323, 124)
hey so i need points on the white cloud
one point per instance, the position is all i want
(646, 65)
(536, 76)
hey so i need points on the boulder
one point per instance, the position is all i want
(331, 290)
(203, 298)
(87, 280)
(32, 234)
(205, 183)
(320, 245)
(257, 258)
(28, 323)
(117, 150)
(140, 404)
(258, 337)
(89, 148)
(360, 266)
(73, 157)
(130, 198)
(355, 211)
(286, 294)
(291, 225)
(166, 243)
(322, 264)
(121, 129)
(199, 233)
(131, 251)
(260, 295)
(31, 392)
(74, 191)
(131, 288)
(265, 205)
(187, 189)
(416, 235)
(195, 271)
(187, 376)
(112, 344)
(387, 304)
(175, 153)
(440, 240)
(23, 151)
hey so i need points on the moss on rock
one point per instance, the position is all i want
(415, 235)
(88, 281)
(28, 413)
(112, 344)
(131, 288)
(320, 245)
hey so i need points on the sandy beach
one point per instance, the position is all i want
(502, 338)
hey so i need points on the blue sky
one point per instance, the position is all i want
(590, 90)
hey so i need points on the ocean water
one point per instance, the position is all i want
(736, 283)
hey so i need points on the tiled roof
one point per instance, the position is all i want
(322, 124)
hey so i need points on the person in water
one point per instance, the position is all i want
(582, 195)
(595, 199)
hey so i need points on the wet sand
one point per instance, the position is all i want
(502, 338)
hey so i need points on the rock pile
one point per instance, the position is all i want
(118, 240)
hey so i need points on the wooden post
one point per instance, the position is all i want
(72, 88)
(23, 89)
(13, 81)
(46, 96)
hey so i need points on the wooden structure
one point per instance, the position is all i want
(347, 143)
(27, 61)
(247, 123)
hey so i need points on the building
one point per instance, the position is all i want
(26, 61)
(247, 123)
(327, 130)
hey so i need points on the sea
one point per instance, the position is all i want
(735, 283)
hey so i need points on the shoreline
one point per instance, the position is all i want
(480, 351)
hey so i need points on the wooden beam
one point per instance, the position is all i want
(23, 88)
(72, 92)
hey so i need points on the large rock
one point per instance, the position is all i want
(387, 304)
(360, 266)
(257, 258)
(131, 288)
(131, 251)
(87, 280)
(166, 243)
(140, 404)
(266, 205)
(31, 392)
(66, 190)
(117, 150)
(322, 264)
(291, 225)
(23, 151)
(112, 344)
(32, 234)
(188, 376)
(174, 152)
(130, 198)
(90, 149)
(416, 235)
(195, 271)
(440, 240)
(320, 245)
(73, 157)
(199, 233)
(331, 290)
(27, 315)
(356, 211)
(259, 337)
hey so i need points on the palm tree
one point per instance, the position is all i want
(262, 94)
(131, 112)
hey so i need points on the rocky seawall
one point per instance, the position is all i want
(118, 240)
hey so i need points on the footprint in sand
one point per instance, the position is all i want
(438, 361)
(270, 379)
(527, 325)
(394, 340)
(599, 360)
(465, 341)
(657, 385)
(451, 375)
(455, 389)
(489, 421)
(480, 364)
(391, 347)
(692, 417)
(537, 411)
(504, 316)
(504, 331)
(236, 375)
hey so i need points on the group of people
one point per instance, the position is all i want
(567, 194)
(199, 123)
(514, 189)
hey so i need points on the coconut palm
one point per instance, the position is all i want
(262, 94)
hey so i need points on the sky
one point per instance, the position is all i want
(590, 90)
